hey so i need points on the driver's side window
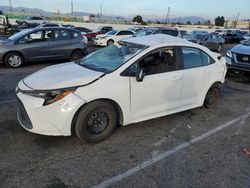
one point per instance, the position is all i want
(159, 62)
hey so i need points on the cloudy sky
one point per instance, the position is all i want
(205, 8)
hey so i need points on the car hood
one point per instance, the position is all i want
(241, 49)
(61, 76)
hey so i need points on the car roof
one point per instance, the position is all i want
(158, 39)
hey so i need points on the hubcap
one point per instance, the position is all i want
(14, 60)
(219, 48)
(97, 122)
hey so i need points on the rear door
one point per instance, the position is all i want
(197, 76)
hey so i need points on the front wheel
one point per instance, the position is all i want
(14, 60)
(212, 97)
(96, 121)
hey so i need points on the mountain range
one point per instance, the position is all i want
(153, 18)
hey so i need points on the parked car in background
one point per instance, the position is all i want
(83, 30)
(42, 44)
(238, 58)
(152, 31)
(247, 36)
(113, 86)
(183, 33)
(212, 41)
(197, 32)
(194, 37)
(112, 36)
(220, 32)
(233, 38)
(33, 19)
(100, 30)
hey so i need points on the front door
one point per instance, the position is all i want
(160, 89)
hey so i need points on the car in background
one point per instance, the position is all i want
(153, 31)
(100, 30)
(194, 37)
(42, 44)
(247, 36)
(112, 37)
(83, 30)
(212, 41)
(197, 32)
(134, 80)
(238, 58)
(233, 38)
(220, 32)
(33, 19)
(183, 33)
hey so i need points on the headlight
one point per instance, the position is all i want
(50, 96)
(229, 54)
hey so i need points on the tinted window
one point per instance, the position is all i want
(125, 33)
(35, 37)
(191, 58)
(75, 34)
(159, 62)
(49, 35)
(62, 34)
(50, 25)
(206, 59)
(170, 32)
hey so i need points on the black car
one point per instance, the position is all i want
(233, 38)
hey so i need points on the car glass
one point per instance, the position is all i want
(159, 62)
(191, 58)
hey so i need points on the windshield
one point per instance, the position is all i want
(247, 43)
(112, 32)
(111, 57)
(143, 33)
(19, 34)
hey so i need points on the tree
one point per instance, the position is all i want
(208, 22)
(219, 21)
(138, 19)
(1, 12)
(189, 23)
(198, 23)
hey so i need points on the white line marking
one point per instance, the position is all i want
(159, 157)
(7, 101)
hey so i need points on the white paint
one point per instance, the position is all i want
(157, 158)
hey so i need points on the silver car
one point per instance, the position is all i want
(41, 44)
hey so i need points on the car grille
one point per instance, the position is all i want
(243, 58)
(23, 116)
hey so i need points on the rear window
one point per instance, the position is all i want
(191, 58)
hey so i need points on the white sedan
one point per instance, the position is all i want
(137, 79)
(112, 36)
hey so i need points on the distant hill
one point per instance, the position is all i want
(192, 19)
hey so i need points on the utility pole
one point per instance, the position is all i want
(168, 16)
(72, 7)
(10, 5)
(100, 10)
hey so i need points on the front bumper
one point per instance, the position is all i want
(100, 42)
(54, 119)
(238, 66)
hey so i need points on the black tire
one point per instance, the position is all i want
(212, 97)
(96, 121)
(76, 55)
(9, 60)
(219, 48)
(110, 42)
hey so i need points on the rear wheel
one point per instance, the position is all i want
(212, 97)
(96, 121)
(76, 55)
(14, 60)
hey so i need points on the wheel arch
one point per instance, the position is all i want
(217, 84)
(4, 56)
(112, 102)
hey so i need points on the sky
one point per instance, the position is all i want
(208, 9)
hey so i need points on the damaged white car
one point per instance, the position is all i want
(136, 79)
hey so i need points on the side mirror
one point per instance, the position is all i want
(140, 75)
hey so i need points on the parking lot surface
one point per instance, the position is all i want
(196, 148)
